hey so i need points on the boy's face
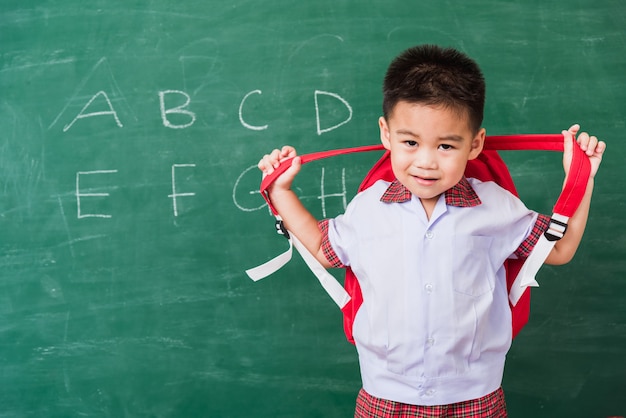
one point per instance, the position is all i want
(430, 147)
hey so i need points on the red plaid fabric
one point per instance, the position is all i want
(329, 253)
(489, 406)
(396, 193)
(461, 194)
(541, 226)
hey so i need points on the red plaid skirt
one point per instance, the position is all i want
(489, 406)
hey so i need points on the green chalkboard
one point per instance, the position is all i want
(129, 132)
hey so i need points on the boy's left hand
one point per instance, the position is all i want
(589, 144)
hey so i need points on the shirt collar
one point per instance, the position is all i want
(461, 194)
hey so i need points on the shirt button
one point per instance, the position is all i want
(430, 392)
(430, 234)
(430, 342)
(429, 288)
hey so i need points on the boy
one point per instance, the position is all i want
(428, 248)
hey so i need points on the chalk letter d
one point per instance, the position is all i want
(317, 111)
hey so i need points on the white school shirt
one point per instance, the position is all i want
(435, 324)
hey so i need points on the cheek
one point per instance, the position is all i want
(398, 162)
(455, 167)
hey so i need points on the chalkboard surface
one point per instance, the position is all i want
(129, 132)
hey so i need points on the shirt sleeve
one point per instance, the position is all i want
(541, 225)
(327, 248)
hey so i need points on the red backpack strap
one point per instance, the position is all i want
(268, 180)
(488, 166)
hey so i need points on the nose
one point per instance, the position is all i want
(425, 159)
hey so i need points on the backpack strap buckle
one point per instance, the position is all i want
(280, 228)
(557, 227)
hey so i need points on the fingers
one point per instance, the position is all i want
(271, 161)
(588, 143)
(573, 130)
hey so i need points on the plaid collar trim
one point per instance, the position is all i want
(462, 194)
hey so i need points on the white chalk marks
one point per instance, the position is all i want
(83, 115)
(101, 104)
(246, 200)
(180, 110)
(243, 122)
(317, 111)
(98, 98)
(102, 71)
(186, 117)
(175, 194)
(80, 194)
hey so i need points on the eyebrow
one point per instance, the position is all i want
(452, 137)
(455, 138)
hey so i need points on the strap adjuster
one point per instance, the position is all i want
(280, 228)
(556, 230)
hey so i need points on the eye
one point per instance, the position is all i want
(411, 143)
(446, 147)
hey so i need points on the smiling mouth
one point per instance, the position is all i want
(424, 180)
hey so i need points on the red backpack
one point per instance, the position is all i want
(489, 166)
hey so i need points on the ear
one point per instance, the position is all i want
(384, 132)
(477, 144)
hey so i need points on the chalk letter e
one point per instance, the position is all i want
(79, 194)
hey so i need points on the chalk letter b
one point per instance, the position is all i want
(181, 110)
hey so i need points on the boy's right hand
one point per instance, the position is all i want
(271, 161)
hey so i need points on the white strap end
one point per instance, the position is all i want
(273, 265)
(526, 275)
(334, 289)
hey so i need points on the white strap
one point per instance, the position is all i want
(334, 289)
(264, 270)
(524, 279)
(526, 275)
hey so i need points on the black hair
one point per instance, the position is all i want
(431, 75)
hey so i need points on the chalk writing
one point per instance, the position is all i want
(236, 187)
(191, 116)
(176, 112)
(101, 66)
(82, 115)
(175, 194)
(317, 111)
(247, 125)
(182, 110)
(323, 196)
(80, 194)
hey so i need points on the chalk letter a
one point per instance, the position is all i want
(82, 115)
